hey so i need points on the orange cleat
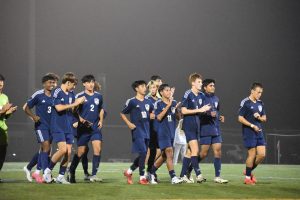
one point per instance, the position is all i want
(129, 177)
(248, 181)
(144, 181)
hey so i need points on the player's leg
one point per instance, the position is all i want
(185, 165)
(81, 149)
(260, 156)
(203, 153)
(177, 148)
(97, 144)
(194, 160)
(249, 164)
(27, 169)
(3, 149)
(158, 163)
(63, 166)
(85, 163)
(169, 161)
(217, 162)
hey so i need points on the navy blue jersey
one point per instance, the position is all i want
(91, 108)
(43, 108)
(191, 123)
(247, 110)
(153, 123)
(210, 126)
(140, 116)
(167, 125)
(61, 122)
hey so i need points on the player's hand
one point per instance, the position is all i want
(36, 118)
(170, 102)
(11, 110)
(178, 104)
(100, 124)
(256, 129)
(152, 115)
(205, 108)
(256, 115)
(131, 126)
(80, 100)
(75, 125)
(6, 107)
(222, 119)
(213, 113)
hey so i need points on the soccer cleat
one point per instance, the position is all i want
(185, 179)
(129, 177)
(27, 173)
(62, 180)
(71, 178)
(220, 180)
(176, 180)
(47, 176)
(37, 177)
(253, 178)
(200, 179)
(87, 177)
(143, 181)
(152, 179)
(248, 181)
(94, 178)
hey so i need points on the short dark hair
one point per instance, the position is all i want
(2, 77)
(207, 81)
(69, 76)
(162, 87)
(136, 84)
(256, 85)
(47, 78)
(88, 78)
(155, 77)
(55, 76)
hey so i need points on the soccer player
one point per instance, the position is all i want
(192, 107)
(61, 126)
(6, 109)
(42, 101)
(91, 115)
(140, 110)
(210, 135)
(251, 115)
(165, 112)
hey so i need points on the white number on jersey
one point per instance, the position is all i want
(49, 109)
(92, 107)
(144, 114)
(169, 118)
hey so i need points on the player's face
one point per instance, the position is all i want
(257, 92)
(1, 85)
(70, 86)
(158, 82)
(153, 89)
(141, 89)
(210, 88)
(197, 84)
(166, 93)
(49, 85)
(89, 86)
(55, 83)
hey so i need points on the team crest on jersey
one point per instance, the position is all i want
(70, 100)
(200, 101)
(147, 106)
(173, 109)
(216, 104)
(260, 108)
(96, 101)
(43, 101)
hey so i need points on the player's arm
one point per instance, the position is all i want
(262, 118)
(101, 118)
(203, 109)
(29, 112)
(61, 107)
(130, 125)
(5, 108)
(161, 115)
(245, 122)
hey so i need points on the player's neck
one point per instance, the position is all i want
(195, 91)
(89, 92)
(47, 92)
(64, 88)
(154, 96)
(165, 100)
(140, 97)
(252, 98)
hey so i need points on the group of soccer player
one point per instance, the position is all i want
(61, 116)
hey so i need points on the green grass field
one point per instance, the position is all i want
(275, 181)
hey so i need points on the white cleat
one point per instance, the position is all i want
(47, 176)
(220, 180)
(95, 179)
(176, 180)
(62, 180)
(152, 180)
(185, 179)
(27, 173)
(200, 179)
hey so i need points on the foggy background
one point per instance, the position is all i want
(119, 41)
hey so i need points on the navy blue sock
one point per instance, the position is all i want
(142, 163)
(195, 164)
(39, 163)
(217, 164)
(172, 173)
(153, 170)
(248, 171)
(96, 162)
(33, 162)
(191, 166)
(185, 164)
(44, 160)
(74, 164)
(62, 170)
(85, 163)
(135, 163)
(51, 165)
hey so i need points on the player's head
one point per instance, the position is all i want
(165, 91)
(88, 82)
(195, 81)
(152, 87)
(55, 76)
(97, 86)
(139, 87)
(48, 82)
(157, 79)
(2, 79)
(208, 86)
(256, 90)
(69, 80)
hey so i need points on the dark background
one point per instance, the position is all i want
(119, 41)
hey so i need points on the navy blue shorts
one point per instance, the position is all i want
(63, 137)
(208, 140)
(83, 139)
(43, 135)
(153, 143)
(254, 142)
(165, 140)
(191, 136)
(140, 145)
